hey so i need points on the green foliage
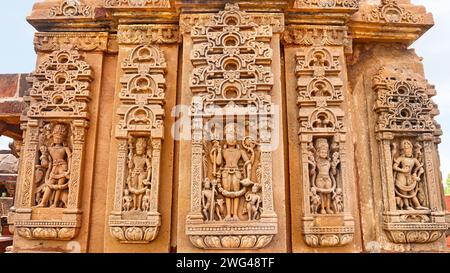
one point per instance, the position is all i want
(447, 186)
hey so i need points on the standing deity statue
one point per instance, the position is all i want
(59, 156)
(42, 169)
(146, 200)
(231, 177)
(139, 170)
(407, 176)
(220, 209)
(127, 200)
(314, 200)
(208, 193)
(254, 202)
(323, 175)
(338, 200)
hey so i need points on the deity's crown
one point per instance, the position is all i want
(60, 129)
(405, 143)
(141, 141)
(321, 143)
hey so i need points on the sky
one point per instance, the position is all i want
(17, 56)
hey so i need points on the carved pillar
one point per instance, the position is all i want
(413, 209)
(56, 123)
(323, 198)
(233, 128)
(140, 130)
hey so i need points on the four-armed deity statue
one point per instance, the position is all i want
(55, 159)
(408, 171)
(232, 181)
(325, 196)
(140, 170)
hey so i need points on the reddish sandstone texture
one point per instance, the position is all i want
(8, 85)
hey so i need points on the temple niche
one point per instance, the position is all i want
(227, 126)
(232, 122)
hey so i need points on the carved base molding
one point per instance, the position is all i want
(417, 233)
(135, 231)
(320, 231)
(10, 221)
(231, 242)
(47, 229)
(447, 220)
(226, 235)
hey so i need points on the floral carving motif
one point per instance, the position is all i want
(87, 41)
(155, 34)
(354, 4)
(391, 12)
(316, 36)
(137, 3)
(403, 104)
(275, 20)
(60, 86)
(70, 8)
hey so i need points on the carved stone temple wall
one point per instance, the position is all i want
(228, 126)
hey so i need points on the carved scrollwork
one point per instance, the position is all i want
(391, 12)
(137, 4)
(274, 20)
(60, 87)
(139, 133)
(407, 134)
(414, 233)
(231, 198)
(403, 103)
(353, 4)
(154, 34)
(70, 8)
(86, 41)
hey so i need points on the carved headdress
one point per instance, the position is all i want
(321, 144)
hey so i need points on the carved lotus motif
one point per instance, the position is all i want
(230, 241)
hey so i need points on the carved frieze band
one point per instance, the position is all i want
(326, 4)
(274, 20)
(154, 4)
(407, 136)
(82, 41)
(154, 34)
(309, 35)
